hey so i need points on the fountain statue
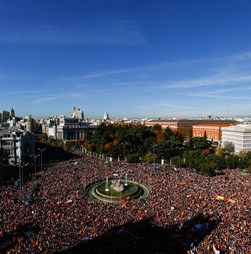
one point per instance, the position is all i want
(117, 185)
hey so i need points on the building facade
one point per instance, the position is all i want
(77, 113)
(211, 132)
(239, 135)
(198, 128)
(71, 129)
(17, 144)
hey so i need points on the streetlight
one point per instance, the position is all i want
(35, 166)
(180, 148)
(41, 151)
(124, 150)
(154, 145)
(21, 174)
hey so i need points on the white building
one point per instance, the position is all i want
(17, 144)
(71, 129)
(106, 117)
(77, 113)
(49, 127)
(239, 135)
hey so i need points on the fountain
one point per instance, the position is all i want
(117, 190)
(106, 184)
(126, 179)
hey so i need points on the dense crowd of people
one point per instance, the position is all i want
(58, 215)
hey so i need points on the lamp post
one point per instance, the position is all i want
(124, 151)
(180, 148)
(154, 145)
(35, 166)
(21, 174)
(41, 152)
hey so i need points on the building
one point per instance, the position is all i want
(17, 144)
(77, 113)
(30, 124)
(106, 117)
(71, 129)
(5, 116)
(197, 128)
(183, 126)
(239, 135)
(12, 113)
(212, 128)
(49, 127)
(211, 132)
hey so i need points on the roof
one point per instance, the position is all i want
(193, 121)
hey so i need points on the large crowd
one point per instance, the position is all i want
(58, 214)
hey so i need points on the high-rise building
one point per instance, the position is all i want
(5, 116)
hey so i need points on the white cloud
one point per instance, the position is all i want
(210, 81)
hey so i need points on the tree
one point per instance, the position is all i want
(228, 148)
(133, 158)
(231, 161)
(205, 135)
(219, 151)
(198, 143)
(175, 160)
(190, 133)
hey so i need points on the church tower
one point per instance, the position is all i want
(12, 113)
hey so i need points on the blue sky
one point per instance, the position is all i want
(130, 58)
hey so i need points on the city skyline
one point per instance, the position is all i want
(130, 59)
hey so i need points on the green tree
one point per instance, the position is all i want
(228, 148)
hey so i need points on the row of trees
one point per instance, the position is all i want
(151, 144)
(148, 144)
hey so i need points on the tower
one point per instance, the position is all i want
(77, 113)
(12, 113)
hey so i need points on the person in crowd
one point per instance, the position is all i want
(57, 214)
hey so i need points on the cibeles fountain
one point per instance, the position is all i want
(117, 190)
(117, 186)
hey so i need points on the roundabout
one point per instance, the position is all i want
(116, 191)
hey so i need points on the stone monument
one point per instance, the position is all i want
(117, 185)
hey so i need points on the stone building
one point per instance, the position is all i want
(71, 129)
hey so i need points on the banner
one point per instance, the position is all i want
(221, 198)
(245, 174)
